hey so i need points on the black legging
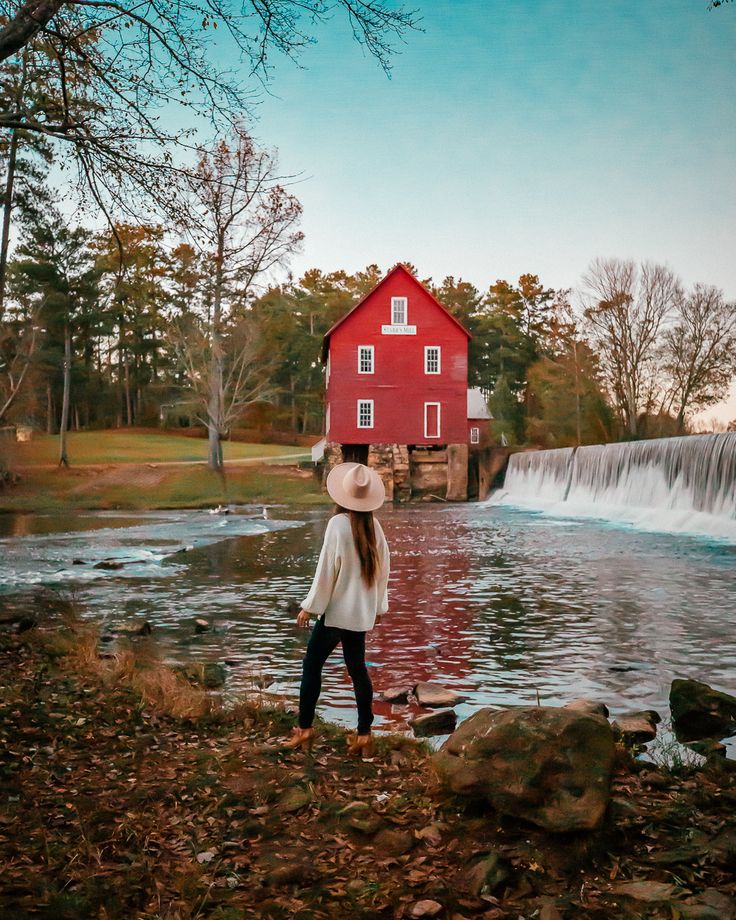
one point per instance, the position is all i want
(322, 643)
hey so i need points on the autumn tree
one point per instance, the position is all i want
(110, 69)
(699, 352)
(56, 262)
(244, 223)
(626, 309)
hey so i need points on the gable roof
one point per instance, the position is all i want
(397, 268)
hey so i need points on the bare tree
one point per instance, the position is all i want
(699, 351)
(18, 344)
(626, 307)
(107, 69)
(245, 223)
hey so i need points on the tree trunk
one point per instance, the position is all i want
(216, 396)
(63, 456)
(7, 210)
(49, 410)
(128, 403)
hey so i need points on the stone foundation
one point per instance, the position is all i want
(419, 473)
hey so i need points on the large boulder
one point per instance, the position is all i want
(699, 711)
(546, 765)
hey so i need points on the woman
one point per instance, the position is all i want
(348, 593)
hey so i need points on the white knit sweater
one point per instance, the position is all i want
(338, 589)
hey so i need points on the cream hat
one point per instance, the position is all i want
(355, 487)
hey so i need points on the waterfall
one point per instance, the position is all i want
(683, 484)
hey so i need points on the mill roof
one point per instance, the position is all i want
(397, 268)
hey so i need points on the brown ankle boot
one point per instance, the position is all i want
(361, 746)
(300, 738)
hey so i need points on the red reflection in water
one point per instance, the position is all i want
(424, 636)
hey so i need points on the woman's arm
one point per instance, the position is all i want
(323, 583)
(383, 578)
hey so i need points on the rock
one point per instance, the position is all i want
(213, 675)
(708, 748)
(291, 873)
(710, 905)
(637, 727)
(425, 909)
(646, 891)
(654, 779)
(109, 564)
(396, 694)
(486, 876)
(441, 722)
(722, 849)
(79, 561)
(431, 834)
(294, 800)
(201, 626)
(25, 623)
(546, 765)
(431, 694)
(392, 841)
(549, 911)
(589, 706)
(699, 711)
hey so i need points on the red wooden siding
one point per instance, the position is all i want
(399, 387)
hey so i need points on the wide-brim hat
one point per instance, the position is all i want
(356, 487)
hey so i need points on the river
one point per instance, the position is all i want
(504, 605)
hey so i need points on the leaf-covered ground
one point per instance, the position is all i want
(110, 808)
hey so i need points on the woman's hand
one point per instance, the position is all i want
(379, 616)
(302, 619)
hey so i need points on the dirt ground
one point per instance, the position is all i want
(113, 807)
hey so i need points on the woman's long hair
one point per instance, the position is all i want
(364, 537)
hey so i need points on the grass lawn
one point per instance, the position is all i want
(115, 469)
(140, 487)
(136, 446)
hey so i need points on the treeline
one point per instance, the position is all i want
(90, 341)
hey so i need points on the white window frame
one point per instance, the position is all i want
(364, 402)
(439, 420)
(371, 351)
(427, 350)
(395, 302)
(474, 435)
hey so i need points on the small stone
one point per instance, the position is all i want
(393, 842)
(425, 909)
(486, 876)
(708, 748)
(201, 626)
(294, 800)
(431, 834)
(206, 856)
(646, 891)
(396, 694)
(549, 911)
(213, 675)
(355, 885)
(79, 562)
(654, 780)
(290, 873)
(431, 695)
(109, 564)
(635, 728)
(591, 706)
(699, 711)
(441, 722)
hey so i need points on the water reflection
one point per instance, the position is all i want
(502, 605)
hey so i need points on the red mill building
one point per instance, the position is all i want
(397, 393)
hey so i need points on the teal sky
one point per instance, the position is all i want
(518, 136)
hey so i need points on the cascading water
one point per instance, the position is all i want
(684, 484)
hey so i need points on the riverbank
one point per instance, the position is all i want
(129, 792)
(154, 486)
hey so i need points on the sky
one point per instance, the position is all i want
(512, 137)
